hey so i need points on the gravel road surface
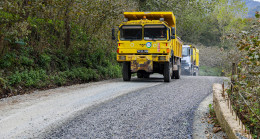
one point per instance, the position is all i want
(157, 110)
(29, 116)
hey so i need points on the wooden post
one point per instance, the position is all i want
(228, 102)
(236, 112)
(232, 86)
(232, 76)
(223, 90)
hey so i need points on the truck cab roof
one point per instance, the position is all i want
(186, 46)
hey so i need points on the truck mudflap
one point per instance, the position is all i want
(142, 63)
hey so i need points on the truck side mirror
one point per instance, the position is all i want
(113, 34)
(172, 37)
(173, 31)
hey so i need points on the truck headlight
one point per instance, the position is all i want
(186, 67)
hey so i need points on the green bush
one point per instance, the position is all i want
(58, 80)
(37, 65)
(88, 63)
(245, 91)
(60, 61)
(26, 61)
(45, 60)
(3, 83)
(8, 60)
(75, 57)
(209, 71)
(32, 78)
(82, 74)
(56, 67)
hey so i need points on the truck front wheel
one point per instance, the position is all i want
(196, 72)
(167, 72)
(126, 71)
(191, 71)
(139, 75)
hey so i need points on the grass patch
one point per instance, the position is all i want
(210, 71)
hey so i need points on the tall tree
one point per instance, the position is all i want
(229, 14)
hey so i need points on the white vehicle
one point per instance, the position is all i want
(190, 60)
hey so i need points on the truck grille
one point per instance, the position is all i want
(184, 64)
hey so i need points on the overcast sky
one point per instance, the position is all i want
(257, 0)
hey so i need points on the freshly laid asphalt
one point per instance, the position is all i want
(165, 110)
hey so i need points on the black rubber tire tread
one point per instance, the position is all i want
(146, 75)
(191, 71)
(177, 73)
(126, 71)
(166, 74)
(194, 73)
(172, 77)
(140, 75)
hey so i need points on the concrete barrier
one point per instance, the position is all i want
(228, 122)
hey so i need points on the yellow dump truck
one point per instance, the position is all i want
(147, 43)
(190, 60)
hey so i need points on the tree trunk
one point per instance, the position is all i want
(67, 26)
(68, 34)
(1, 44)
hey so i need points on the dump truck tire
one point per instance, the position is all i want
(146, 75)
(167, 72)
(172, 76)
(126, 71)
(177, 73)
(139, 75)
(191, 71)
(196, 73)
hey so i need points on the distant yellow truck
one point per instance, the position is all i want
(147, 43)
(190, 60)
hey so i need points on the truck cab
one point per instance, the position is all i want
(147, 44)
(190, 60)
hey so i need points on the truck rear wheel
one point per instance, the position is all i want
(139, 75)
(167, 72)
(126, 71)
(147, 75)
(172, 76)
(177, 73)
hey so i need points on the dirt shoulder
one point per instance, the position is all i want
(203, 126)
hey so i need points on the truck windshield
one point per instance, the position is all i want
(185, 51)
(131, 33)
(155, 32)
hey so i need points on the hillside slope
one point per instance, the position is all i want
(253, 6)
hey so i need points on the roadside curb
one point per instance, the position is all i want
(231, 124)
